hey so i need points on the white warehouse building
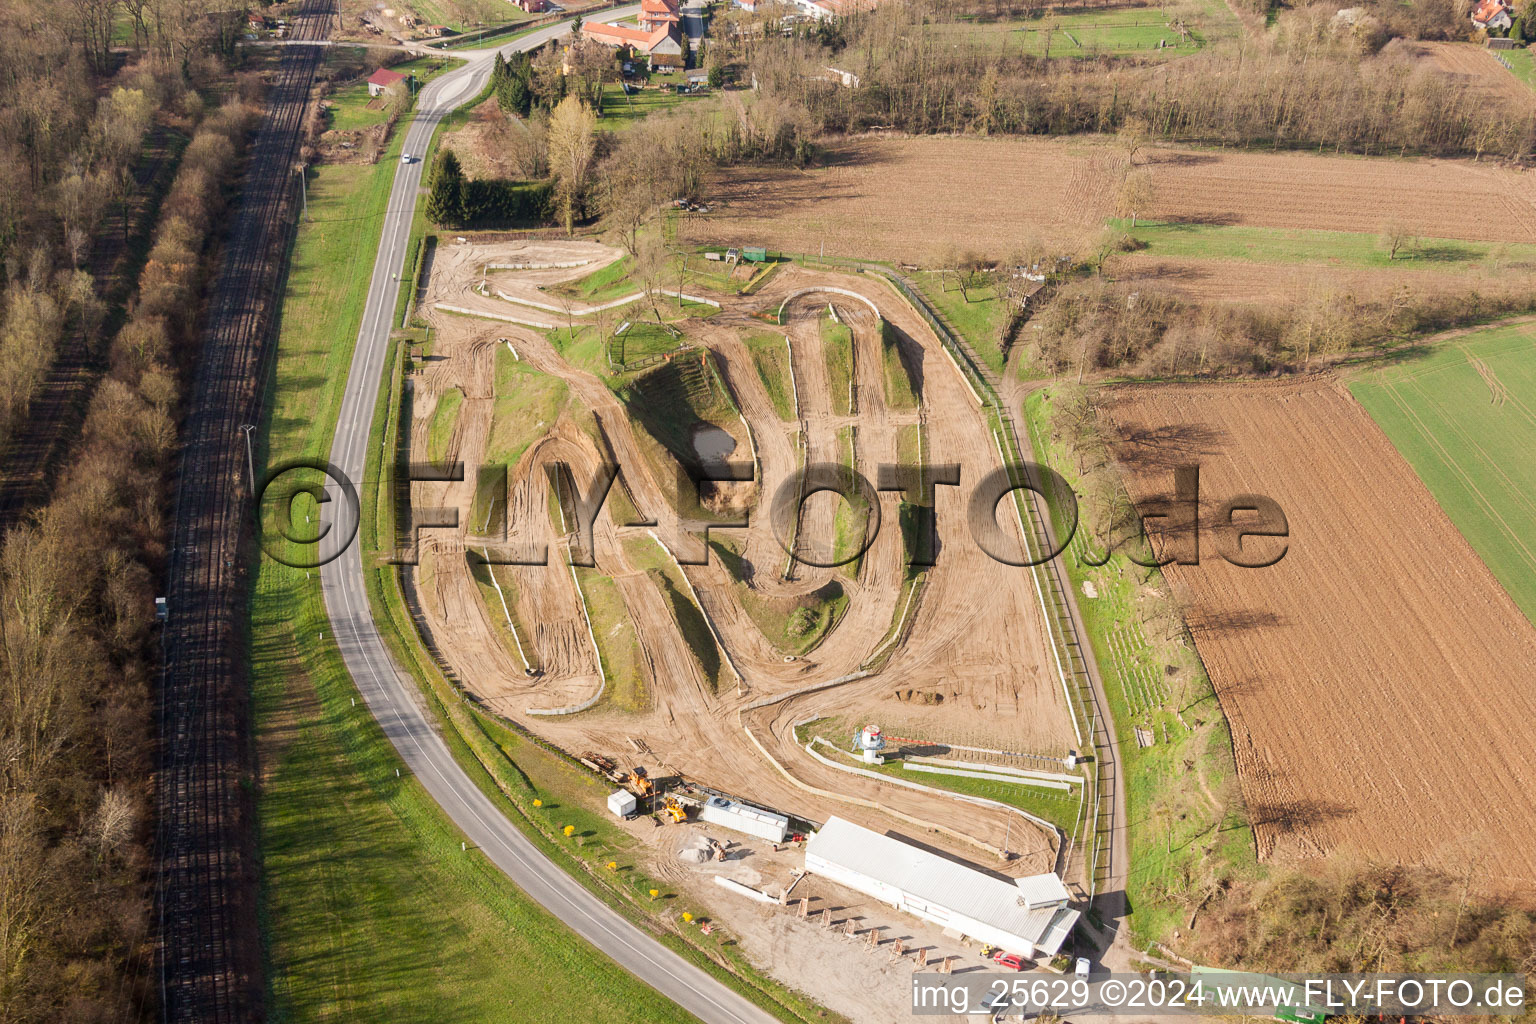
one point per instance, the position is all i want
(1028, 917)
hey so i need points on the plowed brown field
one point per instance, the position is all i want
(1379, 682)
(917, 199)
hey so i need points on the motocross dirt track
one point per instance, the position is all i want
(990, 661)
(1379, 682)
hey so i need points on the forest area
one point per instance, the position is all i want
(123, 127)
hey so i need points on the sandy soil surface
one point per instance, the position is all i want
(893, 197)
(1378, 680)
(992, 658)
(1467, 64)
(1434, 198)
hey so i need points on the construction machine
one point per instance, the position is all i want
(676, 809)
(640, 783)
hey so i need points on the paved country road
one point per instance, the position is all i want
(392, 697)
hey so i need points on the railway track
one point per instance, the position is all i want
(206, 884)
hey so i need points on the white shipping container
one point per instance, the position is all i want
(622, 803)
(754, 821)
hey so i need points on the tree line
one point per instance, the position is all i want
(1308, 83)
(77, 649)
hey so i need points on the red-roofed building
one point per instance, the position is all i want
(658, 41)
(656, 14)
(1492, 14)
(382, 79)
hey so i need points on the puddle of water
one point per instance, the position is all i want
(713, 443)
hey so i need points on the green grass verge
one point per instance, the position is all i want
(1185, 817)
(370, 910)
(770, 356)
(899, 393)
(617, 644)
(602, 285)
(1328, 248)
(445, 416)
(646, 554)
(975, 312)
(1464, 417)
(837, 349)
(1058, 807)
(850, 523)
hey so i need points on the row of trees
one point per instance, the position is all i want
(1302, 85)
(77, 648)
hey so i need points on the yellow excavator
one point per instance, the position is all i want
(676, 809)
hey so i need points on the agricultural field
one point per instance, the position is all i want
(1464, 417)
(1374, 671)
(1063, 192)
(1474, 65)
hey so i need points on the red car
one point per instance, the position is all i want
(1012, 961)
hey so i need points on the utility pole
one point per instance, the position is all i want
(304, 191)
(250, 458)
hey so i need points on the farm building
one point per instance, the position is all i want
(382, 79)
(1492, 14)
(1029, 917)
(656, 41)
(754, 821)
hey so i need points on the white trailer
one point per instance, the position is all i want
(754, 821)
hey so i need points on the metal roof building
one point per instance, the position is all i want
(1029, 917)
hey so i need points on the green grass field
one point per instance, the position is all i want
(617, 644)
(370, 909)
(1117, 33)
(1522, 65)
(620, 110)
(1465, 418)
(1337, 248)
(527, 404)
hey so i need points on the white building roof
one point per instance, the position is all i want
(746, 811)
(1039, 890)
(939, 881)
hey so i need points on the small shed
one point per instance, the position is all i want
(382, 79)
(621, 804)
(754, 254)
